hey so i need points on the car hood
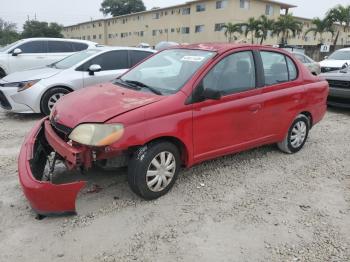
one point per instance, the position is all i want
(334, 63)
(98, 104)
(32, 74)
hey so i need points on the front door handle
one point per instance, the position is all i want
(255, 108)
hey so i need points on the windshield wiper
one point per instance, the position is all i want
(140, 84)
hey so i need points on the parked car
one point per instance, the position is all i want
(340, 59)
(37, 90)
(339, 87)
(35, 52)
(312, 65)
(224, 99)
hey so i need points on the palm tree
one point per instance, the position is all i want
(321, 26)
(286, 25)
(340, 15)
(264, 26)
(252, 27)
(231, 29)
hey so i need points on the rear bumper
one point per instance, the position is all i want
(45, 198)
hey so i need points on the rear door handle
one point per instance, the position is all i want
(255, 108)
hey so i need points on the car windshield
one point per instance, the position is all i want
(167, 71)
(74, 59)
(340, 55)
(5, 48)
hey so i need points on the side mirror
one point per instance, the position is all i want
(94, 68)
(211, 94)
(16, 52)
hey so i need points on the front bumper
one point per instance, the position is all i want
(45, 198)
(339, 97)
(9, 101)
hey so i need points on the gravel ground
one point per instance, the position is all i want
(259, 205)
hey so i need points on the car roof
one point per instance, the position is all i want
(220, 47)
(112, 48)
(343, 49)
(58, 39)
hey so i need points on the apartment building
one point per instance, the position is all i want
(191, 22)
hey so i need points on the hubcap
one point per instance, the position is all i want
(161, 171)
(298, 134)
(53, 99)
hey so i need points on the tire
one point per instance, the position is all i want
(297, 135)
(142, 163)
(2, 73)
(51, 97)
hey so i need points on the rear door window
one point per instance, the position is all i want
(60, 47)
(137, 56)
(113, 60)
(34, 47)
(278, 68)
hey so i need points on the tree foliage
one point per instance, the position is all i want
(287, 26)
(321, 26)
(340, 15)
(264, 26)
(8, 33)
(122, 7)
(35, 28)
(231, 29)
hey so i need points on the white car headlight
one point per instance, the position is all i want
(25, 85)
(97, 134)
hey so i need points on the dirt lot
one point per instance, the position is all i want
(260, 205)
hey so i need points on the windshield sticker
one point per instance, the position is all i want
(193, 58)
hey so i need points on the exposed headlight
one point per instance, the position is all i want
(23, 85)
(97, 134)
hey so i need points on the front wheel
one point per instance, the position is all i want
(51, 97)
(153, 169)
(297, 135)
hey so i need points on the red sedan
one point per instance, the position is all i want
(178, 108)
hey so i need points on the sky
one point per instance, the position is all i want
(68, 12)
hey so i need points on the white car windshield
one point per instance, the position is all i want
(74, 59)
(167, 71)
(340, 55)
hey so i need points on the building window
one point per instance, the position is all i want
(185, 30)
(109, 35)
(200, 7)
(172, 30)
(218, 27)
(100, 36)
(221, 4)
(156, 16)
(244, 4)
(186, 11)
(154, 32)
(199, 28)
(269, 9)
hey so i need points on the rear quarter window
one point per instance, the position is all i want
(79, 46)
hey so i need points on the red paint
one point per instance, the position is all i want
(206, 130)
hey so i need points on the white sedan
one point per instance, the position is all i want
(37, 90)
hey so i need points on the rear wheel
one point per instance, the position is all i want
(51, 97)
(297, 135)
(153, 169)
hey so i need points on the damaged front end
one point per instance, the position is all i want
(36, 164)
